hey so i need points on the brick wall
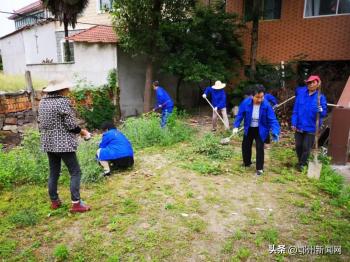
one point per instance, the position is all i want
(320, 38)
(16, 102)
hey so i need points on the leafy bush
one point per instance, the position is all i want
(146, 131)
(333, 183)
(25, 164)
(25, 217)
(101, 109)
(210, 146)
(204, 167)
(61, 252)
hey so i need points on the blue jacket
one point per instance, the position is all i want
(218, 97)
(163, 99)
(305, 110)
(114, 145)
(267, 118)
(271, 99)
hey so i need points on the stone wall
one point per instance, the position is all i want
(16, 115)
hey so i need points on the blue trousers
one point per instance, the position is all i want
(165, 115)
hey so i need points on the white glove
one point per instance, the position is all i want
(320, 109)
(235, 131)
(215, 109)
(204, 95)
(160, 106)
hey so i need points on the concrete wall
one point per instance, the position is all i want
(92, 62)
(132, 73)
(40, 43)
(13, 54)
(324, 38)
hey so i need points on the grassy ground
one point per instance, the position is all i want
(13, 83)
(179, 203)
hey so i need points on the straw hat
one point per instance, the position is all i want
(56, 85)
(218, 85)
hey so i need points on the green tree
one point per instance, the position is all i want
(66, 11)
(254, 37)
(206, 46)
(138, 24)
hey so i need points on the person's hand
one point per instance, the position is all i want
(294, 128)
(85, 134)
(153, 110)
(235, 131)
(215, 109)
(320, 109)
(160, 106)
(204, 95)
(275, 138)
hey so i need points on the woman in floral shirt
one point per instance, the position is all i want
(58, 133)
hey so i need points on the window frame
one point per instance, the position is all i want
(63, 40)
(262, 12)
(99, 9)
(320, 16)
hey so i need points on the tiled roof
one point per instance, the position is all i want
(96, 34)
(36, 6)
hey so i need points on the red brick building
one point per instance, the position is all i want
(318, 29)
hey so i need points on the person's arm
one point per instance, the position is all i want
(273, 122)
(69, 121)
(323, 103)
(106, 139)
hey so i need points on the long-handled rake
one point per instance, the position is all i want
(222, 120)
(227, 140)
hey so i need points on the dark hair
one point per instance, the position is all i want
(258, 88)
(107, 125)
(155, 83)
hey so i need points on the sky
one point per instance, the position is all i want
(6, 25)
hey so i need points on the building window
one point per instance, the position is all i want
(326, 7)
(269, 9)
(105, 5)
(71, 48)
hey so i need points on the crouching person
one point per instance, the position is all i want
(114, 150)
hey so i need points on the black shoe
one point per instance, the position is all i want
(247, 166)
(300, 167)
(259, 172)
(105, 174)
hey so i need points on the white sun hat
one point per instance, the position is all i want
(56, 85)
(218, 85)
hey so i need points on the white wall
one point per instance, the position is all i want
(92, 62)
(13, 54)
(131, 73)
(40, 43)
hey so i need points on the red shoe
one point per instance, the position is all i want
(56, 203)
(79, 207)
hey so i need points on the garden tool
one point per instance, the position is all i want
(314, 168)
(222, 120)
(227, 140)
(154, 109)
(277, 106)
